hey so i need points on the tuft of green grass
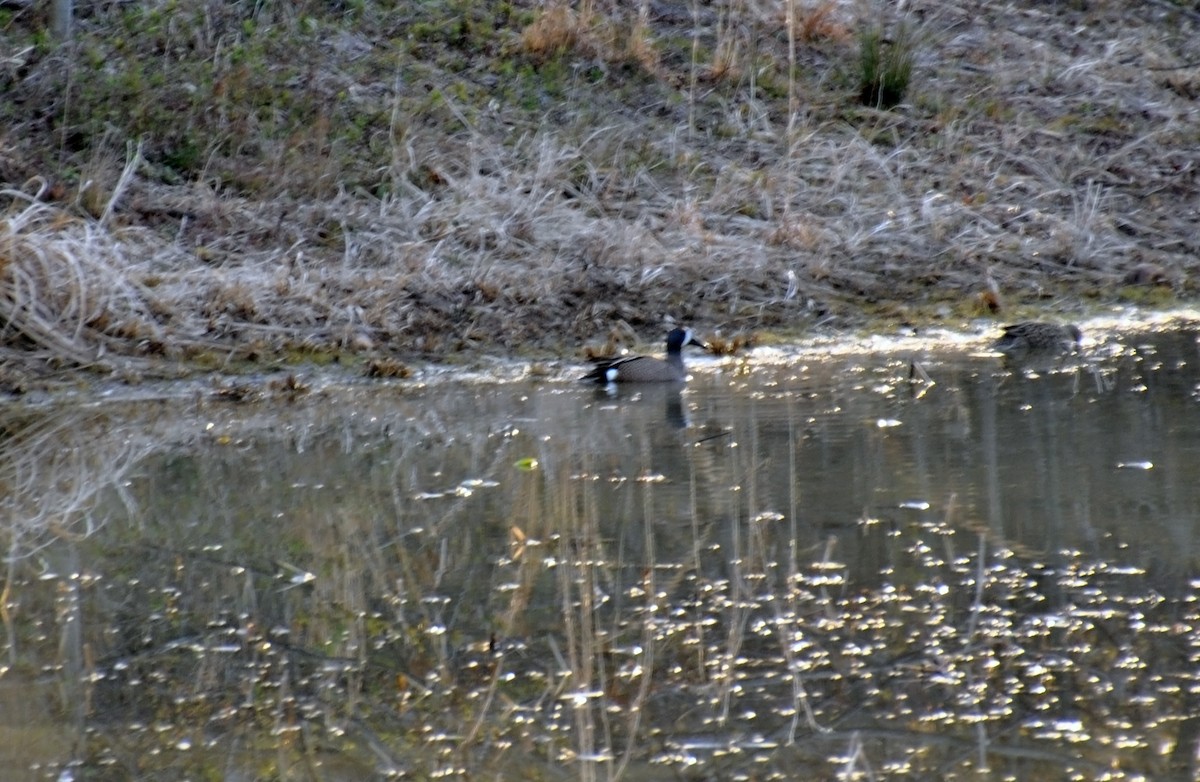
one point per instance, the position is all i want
(885, 67)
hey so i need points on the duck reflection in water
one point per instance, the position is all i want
(668, 396)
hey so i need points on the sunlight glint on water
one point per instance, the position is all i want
(819, 569)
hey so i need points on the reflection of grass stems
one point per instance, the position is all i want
(646, 663)
(856, 761)
(977, 603)
(56, 470)
(784, 624)
(486, 706)
(576, 565)
(739, 602)
(5, 614)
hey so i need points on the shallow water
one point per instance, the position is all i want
(818, 567)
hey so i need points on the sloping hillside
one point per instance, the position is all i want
(191, 179)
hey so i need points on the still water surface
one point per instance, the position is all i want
(800, 567)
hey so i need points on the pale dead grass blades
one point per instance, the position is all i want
(1038, 150)
(65, 287)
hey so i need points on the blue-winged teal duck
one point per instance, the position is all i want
(647, 369)
(1034, 337)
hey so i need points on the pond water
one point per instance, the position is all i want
(909, 565)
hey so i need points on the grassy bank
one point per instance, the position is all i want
(187, 182)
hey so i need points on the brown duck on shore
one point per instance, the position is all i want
(647, 369)
(1036, 337)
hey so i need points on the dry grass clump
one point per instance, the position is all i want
(66, 292)
(820, 22)
(618, 340)
(1149, 274)
(730, 346)
(560, 30)
(289, 386)
(556, 31)
(388, 368)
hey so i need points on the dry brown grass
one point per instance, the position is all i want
(556, 31)
(65, 292)
(562, 31)
(821, 22)
(1036, 143)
